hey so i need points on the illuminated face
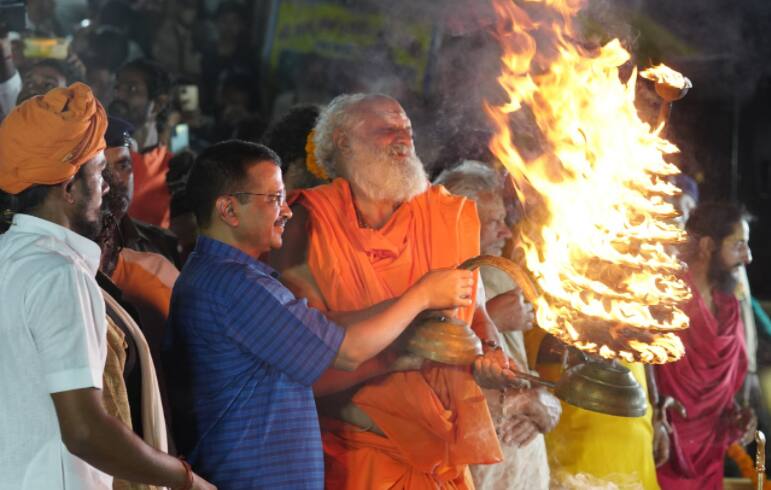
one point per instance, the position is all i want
(492, 217)
(734, 253)
(119, 174)
(377, 154)
(262, 218)
(39, 80)
(131, 100)
(384, 125)
(89, 188)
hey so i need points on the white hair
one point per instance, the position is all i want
(471, 179)
(335, 115)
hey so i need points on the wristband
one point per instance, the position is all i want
(188, 475)
(491, 344)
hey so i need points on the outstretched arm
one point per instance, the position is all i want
(99, 439)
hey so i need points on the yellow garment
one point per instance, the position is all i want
(114, 390)
(614, 449)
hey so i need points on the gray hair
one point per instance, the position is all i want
(334, 116)
(470, 179)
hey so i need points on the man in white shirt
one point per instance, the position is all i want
(10, 80)
(54, 430)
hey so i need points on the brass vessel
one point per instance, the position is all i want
(596, 385)
(451, 341)
(602, 386)
(445, 340)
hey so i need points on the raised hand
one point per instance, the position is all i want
(446, 288)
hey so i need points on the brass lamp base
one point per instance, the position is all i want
(445, 340)
(602, 386)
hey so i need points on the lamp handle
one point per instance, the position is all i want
(518, 274)
(760, 458)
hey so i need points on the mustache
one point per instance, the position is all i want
(117, 108)
(399, 150)
(282, 221)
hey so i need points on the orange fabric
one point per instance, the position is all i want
(46, 139)
(146, 279)
(436, 420)
(152, 201)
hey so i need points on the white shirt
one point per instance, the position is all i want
(522, 468)
(9, 92)
(52, 339)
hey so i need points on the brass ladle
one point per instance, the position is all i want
(596, 385)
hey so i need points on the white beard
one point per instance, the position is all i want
(383, 175)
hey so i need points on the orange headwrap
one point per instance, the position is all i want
(46, 139)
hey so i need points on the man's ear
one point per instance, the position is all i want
(226, 211)
(341, 139)
(706, 247)
(67, 189)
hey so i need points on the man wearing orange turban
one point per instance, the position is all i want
(52, 323)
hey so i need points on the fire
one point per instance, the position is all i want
(666, 75)
(593, 182)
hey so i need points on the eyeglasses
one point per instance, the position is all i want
(278, 199)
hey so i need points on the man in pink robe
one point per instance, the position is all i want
(713, 369)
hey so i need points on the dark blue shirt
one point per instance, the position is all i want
(241, 353)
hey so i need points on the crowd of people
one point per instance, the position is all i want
(233, 314)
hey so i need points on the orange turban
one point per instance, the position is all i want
(46, 139)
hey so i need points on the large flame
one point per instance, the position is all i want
(593, 181)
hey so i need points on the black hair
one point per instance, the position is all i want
(108, 48)
(69, 74)
(229, 6)
(251, 129)
(117, 14)
(157, 78)
(220, 169)
(31, 198)
(716, 220)
(289, 135)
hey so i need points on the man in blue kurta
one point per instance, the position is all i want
(242, 352)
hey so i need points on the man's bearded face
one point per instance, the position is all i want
(119, 174)
(727, 261)
(131, 100)
(87, 216)
(380, 161)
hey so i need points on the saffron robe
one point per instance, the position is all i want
(152, 201)
(705, 381)
(435, 420)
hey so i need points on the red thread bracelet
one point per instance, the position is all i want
(188, 475)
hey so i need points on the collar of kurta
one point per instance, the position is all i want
(67, 241)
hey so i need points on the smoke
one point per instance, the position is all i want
(439, 59)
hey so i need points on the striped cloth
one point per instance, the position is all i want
(241, 353)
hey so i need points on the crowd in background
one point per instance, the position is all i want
(179, 76)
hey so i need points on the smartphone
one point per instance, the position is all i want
(180, 138)
(13, 15)
(46, 47)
